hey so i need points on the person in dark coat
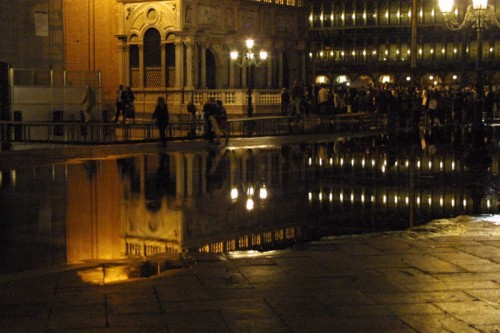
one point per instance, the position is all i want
(121, 97)
(160, 115)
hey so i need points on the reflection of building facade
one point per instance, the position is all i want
(164, 203)
(370, 41)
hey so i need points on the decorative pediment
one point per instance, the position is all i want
(161, 15)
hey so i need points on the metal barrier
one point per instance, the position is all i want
(111, 133)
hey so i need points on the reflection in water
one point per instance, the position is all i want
(146, 205)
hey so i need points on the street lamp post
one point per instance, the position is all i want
(250, 60)
(479, 16)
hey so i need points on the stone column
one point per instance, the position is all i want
(179, 65)
(164, 63)
(269, 72)
(189, 65)
(196, 67)
(232, 82)
(280, 68)
(141, 65)
(203, 56)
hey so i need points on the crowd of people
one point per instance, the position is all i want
(404, 105)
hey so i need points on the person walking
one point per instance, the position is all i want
(120, 104)
(285, 101)
(222, 120)
(323, 101)
(160, 115)
(129, 103)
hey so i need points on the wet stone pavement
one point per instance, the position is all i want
(431, 279)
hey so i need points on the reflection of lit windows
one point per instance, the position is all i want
(429, 201)
(320, 196)
(373, 198)
(452, 202)
(362, 198)
(352, 197)
(396, 199)
(341, 161)
(341, 197)
(310, 196)
(488, 203)
(418, 201)
(407, 200)
(465, 203)
(384, 199)
(331, 197)
(441, 201)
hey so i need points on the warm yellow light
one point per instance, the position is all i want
(249, 42)
(234, 54)
(263, 55)
(446, 6)
(250, 190)
(479, 4)
(234, 193)
(250, 204)
(263, 192)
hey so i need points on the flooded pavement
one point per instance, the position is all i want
(243, 197)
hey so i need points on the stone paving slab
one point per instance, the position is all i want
(401, 284)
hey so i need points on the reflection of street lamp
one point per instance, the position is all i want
(479, 15)
(249, 60)
(250, 190)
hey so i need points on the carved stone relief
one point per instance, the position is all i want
(162, 15)
(188, 16)
(230, 22)
(210, 15)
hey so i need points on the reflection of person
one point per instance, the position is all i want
(88, 102)
(160, 115)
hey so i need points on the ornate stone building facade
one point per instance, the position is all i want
(181, 48)
(369, 41)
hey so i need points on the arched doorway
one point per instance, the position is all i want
(210, 70)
